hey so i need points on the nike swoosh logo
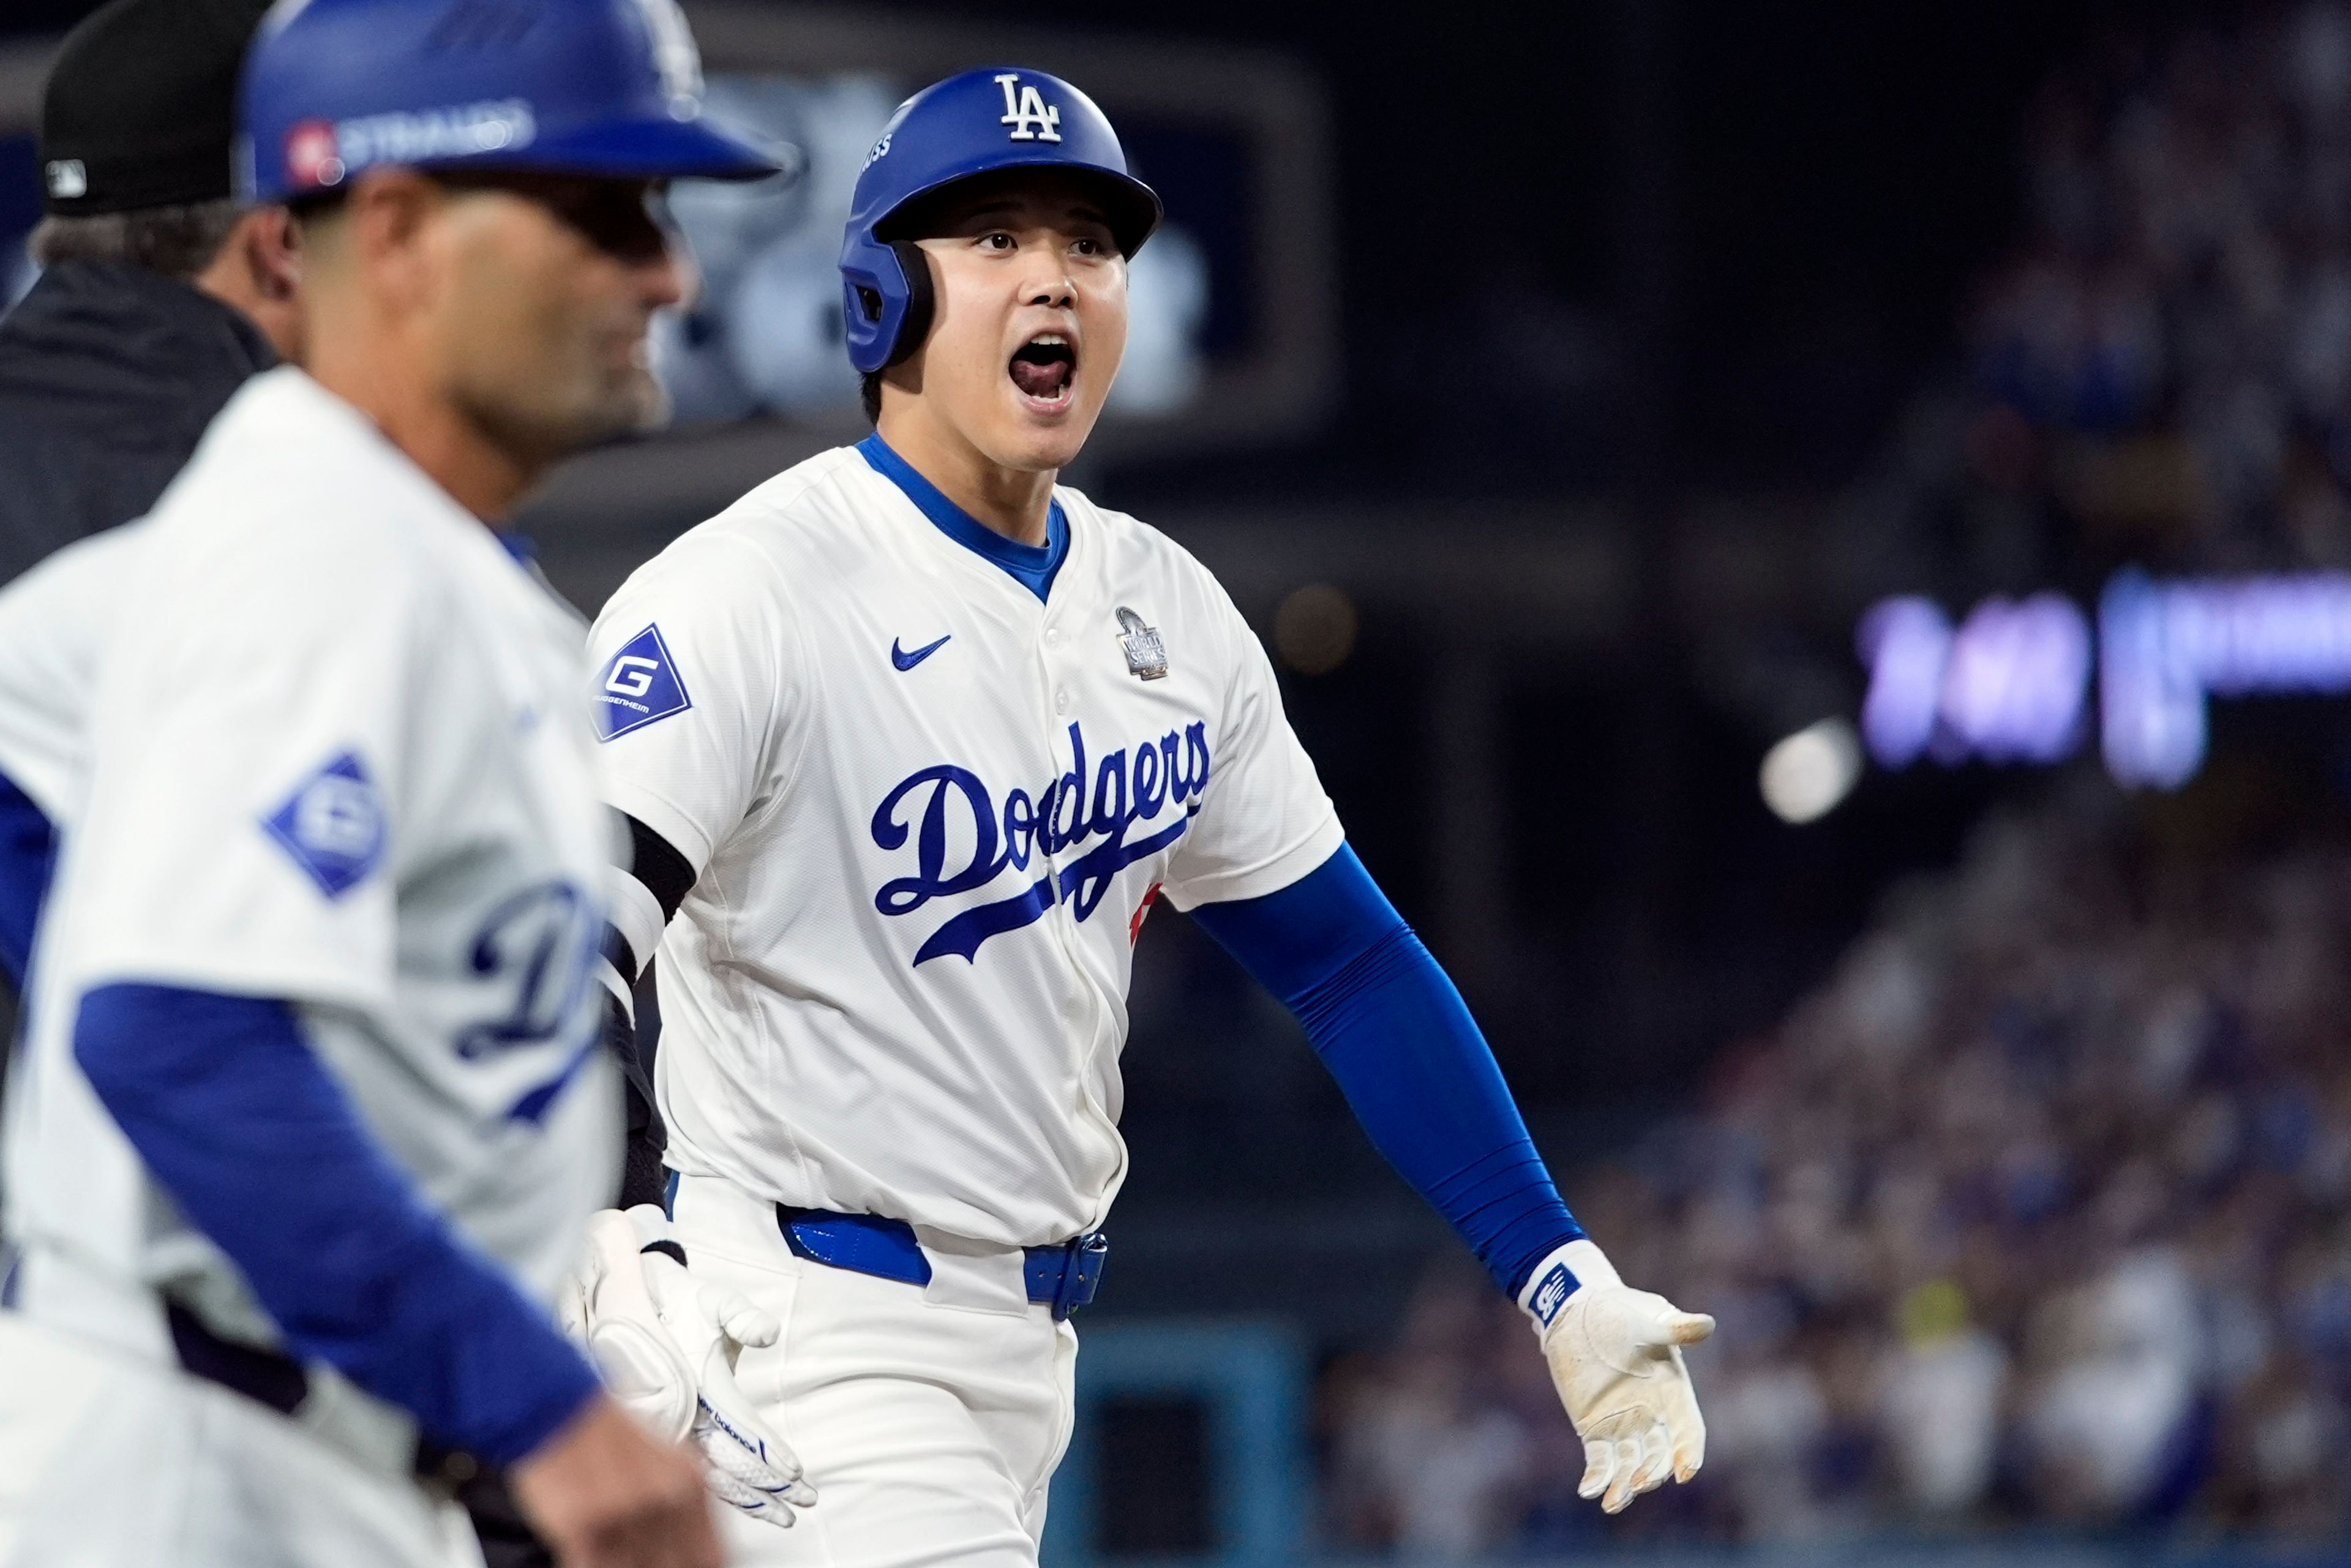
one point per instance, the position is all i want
(905, 661)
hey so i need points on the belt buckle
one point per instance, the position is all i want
(1081, 1266)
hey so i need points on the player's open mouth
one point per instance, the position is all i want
(1045, 368)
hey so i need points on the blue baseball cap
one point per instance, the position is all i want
(613, 87)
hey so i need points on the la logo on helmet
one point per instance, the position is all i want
(1026, 113)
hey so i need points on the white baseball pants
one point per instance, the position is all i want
(929, 1419)
(111, 1461)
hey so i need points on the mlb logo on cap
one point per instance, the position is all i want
(313, 155)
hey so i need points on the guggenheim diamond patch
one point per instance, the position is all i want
(639, 686)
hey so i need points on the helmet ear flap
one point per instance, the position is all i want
(915, 324)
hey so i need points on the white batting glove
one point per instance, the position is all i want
(1616, 1360)
(666, 1344)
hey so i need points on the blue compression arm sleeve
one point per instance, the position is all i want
(1395, 1032)
(226, 1102)
(28, 847)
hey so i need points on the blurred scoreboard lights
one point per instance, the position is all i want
(1233, 333)
(765, 333)
(2011, 683)
(2005, 686)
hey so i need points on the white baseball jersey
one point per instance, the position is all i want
(929, 812)
(52, 621)
(335, 755)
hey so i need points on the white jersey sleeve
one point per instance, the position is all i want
(691, 658)
(231, 843)
(1264, 820)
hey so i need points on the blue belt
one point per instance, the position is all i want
(1066, 1276)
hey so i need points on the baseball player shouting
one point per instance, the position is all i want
(313, 1113)
(911, 737)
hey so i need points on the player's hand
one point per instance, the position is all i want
(749, 1465)
(666, 1344)
(609, 1310)
(603, 1494)
(1616, 1356)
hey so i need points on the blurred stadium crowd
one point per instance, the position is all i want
(2038, 1212)
(2164, 366)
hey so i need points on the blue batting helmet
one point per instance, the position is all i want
(611, 88)
(975, 123)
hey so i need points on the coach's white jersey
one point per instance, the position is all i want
(336, 754)
(929, 813)
(52, 621)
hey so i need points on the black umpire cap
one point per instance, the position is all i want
(141, 106)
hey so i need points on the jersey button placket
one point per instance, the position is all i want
(1054, 673)
(1053, 696)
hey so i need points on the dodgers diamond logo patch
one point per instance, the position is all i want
(333, 825)
(639, 686)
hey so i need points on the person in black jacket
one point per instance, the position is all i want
(158, 297)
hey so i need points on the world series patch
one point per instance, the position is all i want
(638, 685)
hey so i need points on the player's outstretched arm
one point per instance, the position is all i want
(224, 1101)
(1393, 1031)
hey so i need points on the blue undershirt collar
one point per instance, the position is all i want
(1032, 566)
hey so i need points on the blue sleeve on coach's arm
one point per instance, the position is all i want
(224, 1101)
(28, 847)
(1395, 1032)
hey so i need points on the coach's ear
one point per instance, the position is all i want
(389, 226)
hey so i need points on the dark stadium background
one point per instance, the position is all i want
(1693, 276)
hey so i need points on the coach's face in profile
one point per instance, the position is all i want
(552, 281)
(1029, 320)
(493, 320)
